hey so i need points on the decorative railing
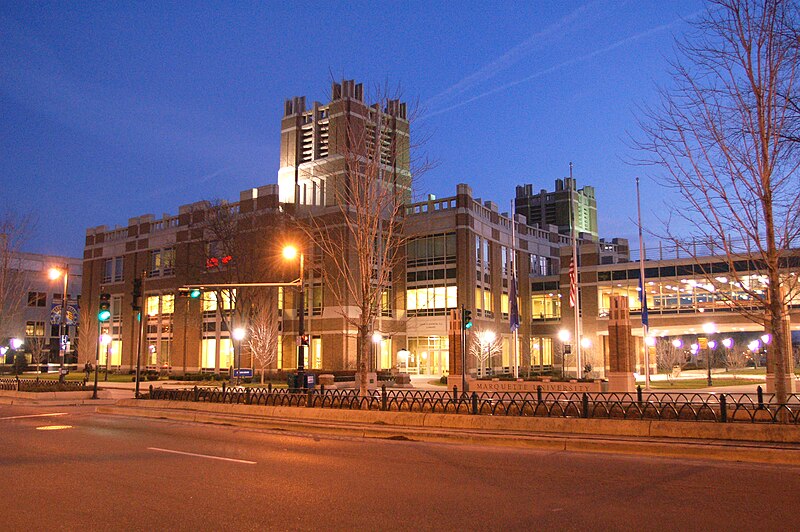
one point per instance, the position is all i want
(722, 408)
(41, 385)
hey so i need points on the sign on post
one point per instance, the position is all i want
(243, 372)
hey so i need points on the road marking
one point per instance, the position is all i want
(54, 427)
(201, 455)
(36, 415)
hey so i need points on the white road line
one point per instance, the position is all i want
(36, 415)
(201, 455)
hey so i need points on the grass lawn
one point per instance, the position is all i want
(72, 376)
(701, 383)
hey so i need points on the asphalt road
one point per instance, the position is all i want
(81, 470)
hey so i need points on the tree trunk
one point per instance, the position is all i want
(363, 357)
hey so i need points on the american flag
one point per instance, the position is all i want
(573, 283)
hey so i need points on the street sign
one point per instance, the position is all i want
(243, 372)
(703, 342)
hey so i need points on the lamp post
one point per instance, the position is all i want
(238, 335)
(709, 328)
(563, 337)
(486, 338)
(377, 341)
(289, 253)
(54, 274)
(103, 341)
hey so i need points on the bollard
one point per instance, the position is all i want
(383, 397)
(196, 393)
(723, 408)
(639, 394)
(539, 394)
(455, 393)
(17, 379)
(322, 389)
(760, 398)
(223, 388)
(308, 397)
(150, 390)
(585, 401)
(474, 403)
(247, 398)
(269, 387)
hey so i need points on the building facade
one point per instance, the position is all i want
(458, 252)
(556, 207)
(32, 308)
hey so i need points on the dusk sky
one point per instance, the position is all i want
(111, 110)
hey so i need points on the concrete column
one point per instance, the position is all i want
(791, 382)
(621, 357)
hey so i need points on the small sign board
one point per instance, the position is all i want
(243, 372)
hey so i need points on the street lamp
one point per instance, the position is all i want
(709, 328)
(563, 337)
(377, 339)
(238, 335)
(290, 253)
(54, 274)
(486, 338)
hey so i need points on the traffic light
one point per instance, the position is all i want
(136, 293)
(304, 340)
(191, 293)
(104, 310)
(466, 319)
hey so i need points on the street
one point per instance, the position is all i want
(74, 469)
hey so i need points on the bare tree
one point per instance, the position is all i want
(668, 356)
(359, 231)
(484, 346)
(262, 329)
(735, 359)
(718, 137)
(39, 348)
(13, 232)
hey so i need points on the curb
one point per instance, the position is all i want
(696, 449)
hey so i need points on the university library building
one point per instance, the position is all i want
(457, 252)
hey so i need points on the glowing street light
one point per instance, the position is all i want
(709, 328)
(291, 252)
(677, 343)
(54, 273)
(727, 343)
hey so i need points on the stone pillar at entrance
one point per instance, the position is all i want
(621, 359)
(454, 337)
(791, 382)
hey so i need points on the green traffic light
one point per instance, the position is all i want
(195, 293)
(468, 325)
(104, 315)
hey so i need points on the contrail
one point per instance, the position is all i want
(535, 41)
(559, 66)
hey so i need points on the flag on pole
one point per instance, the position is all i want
(513, 312)
(573, 283)
(643, 300)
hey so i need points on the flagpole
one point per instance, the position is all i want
(516, 288)
(574, 234)
(643, 293)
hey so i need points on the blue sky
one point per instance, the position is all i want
(113, 110)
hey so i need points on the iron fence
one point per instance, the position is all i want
(709, 407)
(41, 385)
